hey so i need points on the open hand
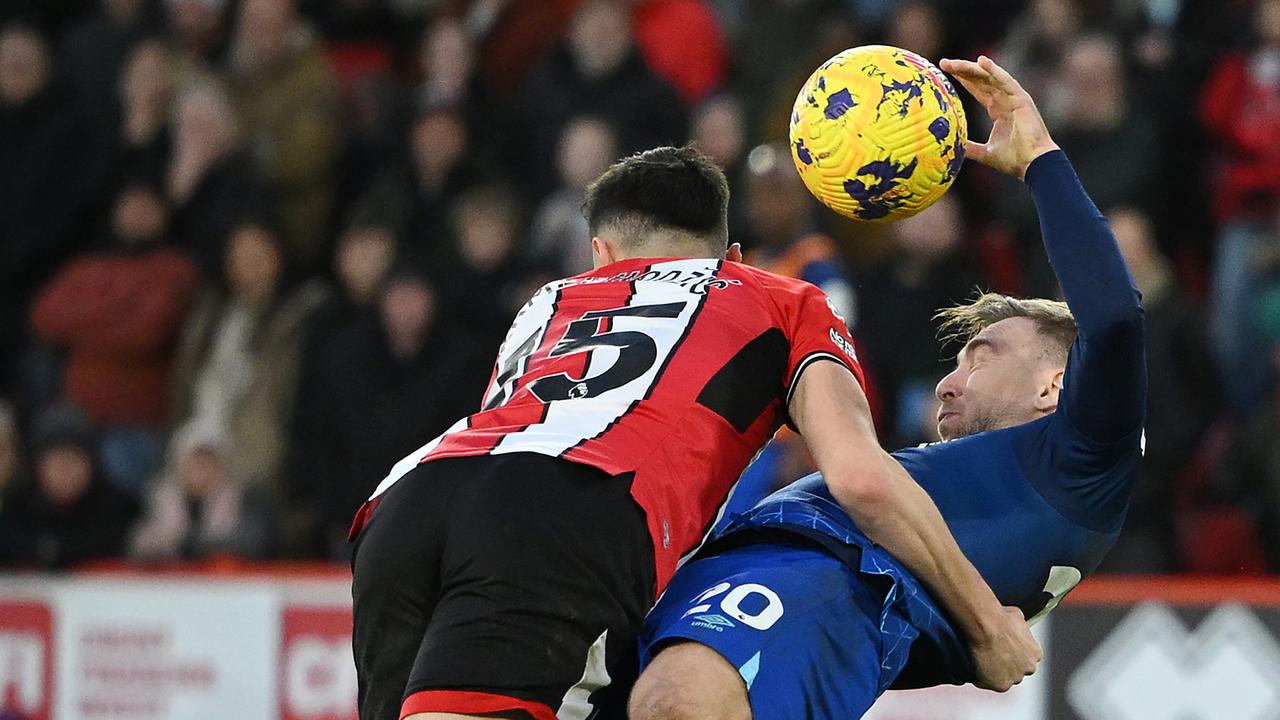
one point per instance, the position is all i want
(1007, 654)
(1018, 133)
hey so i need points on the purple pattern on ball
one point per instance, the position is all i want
(912, 90)
(886, 175)
(953, 167)
(940, 128)
(803, 153)
(839, 103)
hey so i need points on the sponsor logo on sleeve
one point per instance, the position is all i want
(845, 346)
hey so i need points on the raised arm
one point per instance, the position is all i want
(831, 412)
(1109, 349)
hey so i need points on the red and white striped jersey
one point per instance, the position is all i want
(676, 370)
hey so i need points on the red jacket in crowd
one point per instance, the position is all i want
(1241, 106)
(117, 314)
(681, 41)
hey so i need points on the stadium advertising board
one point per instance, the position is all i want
(151, 651)
(1160, 662)
(318, 679)
(26, 660)
(280, 649)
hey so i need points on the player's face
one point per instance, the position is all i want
(1001, 379)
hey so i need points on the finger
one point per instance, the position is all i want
(952, 65)
(982, 86)
(977, 88)
(1006, 93)
(969, 71)
(976, 151)
(999, 76)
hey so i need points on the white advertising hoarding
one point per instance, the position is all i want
(155, 651)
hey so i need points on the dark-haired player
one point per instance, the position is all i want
(792, 612)
(504, 569)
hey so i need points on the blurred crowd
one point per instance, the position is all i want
(252, 252)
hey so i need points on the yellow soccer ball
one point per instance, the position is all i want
(878, 133)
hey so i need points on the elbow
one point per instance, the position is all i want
(862, 490)
(1127, 323)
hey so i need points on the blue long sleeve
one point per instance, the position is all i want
(1105, 388)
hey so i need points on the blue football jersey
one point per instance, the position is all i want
(1034, 508)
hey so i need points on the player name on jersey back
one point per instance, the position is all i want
(675, 370)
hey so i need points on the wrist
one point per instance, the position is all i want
(1040, 151)
(984, 619)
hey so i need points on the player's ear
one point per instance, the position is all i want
(1047, 400)
(601, 253)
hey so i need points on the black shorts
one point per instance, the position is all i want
(501, 582)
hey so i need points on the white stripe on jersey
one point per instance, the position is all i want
(530, 322)
(568, 423)
(413, 459)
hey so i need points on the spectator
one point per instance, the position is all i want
(68, 516)
(485, 264)
(364, 256)
(784, 237)
(681, 41)
(212, 184)
(720, 131)
(597, 71)
(1183, 397)
(448, 57)
(917, 26)
(1241, 108)
(199, 30)
(447, 61)
(116, 313)
(146, 91)
(1108, 136)
(420, 192)
(94, 52)
(1111, 142)
(390, 383)
(287, 98)
(198, 509)
(238, 355)
(929, 270)
(1035, 46)
(560, 238)
(42, 194)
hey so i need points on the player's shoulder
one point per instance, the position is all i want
(779, 286)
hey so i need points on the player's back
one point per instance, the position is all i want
(674, 370)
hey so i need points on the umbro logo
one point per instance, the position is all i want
(713, 622)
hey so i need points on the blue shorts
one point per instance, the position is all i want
(811, 637)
